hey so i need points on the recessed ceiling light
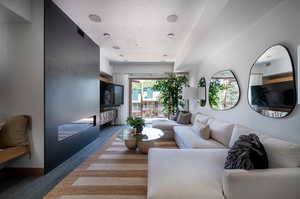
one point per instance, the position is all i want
(172, 18)
(165, 55)
(116, 47)
(171, 35)
(106, 35)
(121, 55)
(95, 18)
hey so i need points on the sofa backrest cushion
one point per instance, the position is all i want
(281, 154)
(239, 130)
(220, 131)
(184, 118)
(201, 129)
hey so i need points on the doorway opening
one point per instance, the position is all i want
(143, 100)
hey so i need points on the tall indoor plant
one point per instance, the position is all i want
(171, 92)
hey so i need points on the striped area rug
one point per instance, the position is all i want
(112, 172)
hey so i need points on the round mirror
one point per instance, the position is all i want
(272, 90)
(202, 91)
(224, 91)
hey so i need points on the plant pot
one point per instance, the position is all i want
(139, 129)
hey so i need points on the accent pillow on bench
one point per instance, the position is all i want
(14, 132)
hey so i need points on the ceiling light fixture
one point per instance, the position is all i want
(116, 47)
(106, 35)
(172, 18)
(95, 18)
(171, 35)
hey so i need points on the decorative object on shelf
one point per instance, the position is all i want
(171, 92)
(107, 116)
(272, 88)
(137, 123)
(202, 91)
(224, 91)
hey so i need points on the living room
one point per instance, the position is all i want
(133, 100)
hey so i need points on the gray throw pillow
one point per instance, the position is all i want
(184, 118)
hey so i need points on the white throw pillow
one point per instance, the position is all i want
(201, 118)
(201, 129)
(220, 131)
(281, 154)
(239, 130)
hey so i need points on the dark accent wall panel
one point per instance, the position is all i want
(71, 84)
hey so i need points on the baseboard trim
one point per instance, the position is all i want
(36, 172)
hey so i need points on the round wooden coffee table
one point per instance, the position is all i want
(142, 142)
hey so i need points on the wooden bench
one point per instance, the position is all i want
(11, 153)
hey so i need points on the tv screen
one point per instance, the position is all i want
(277, 95)
(118, 95)
(106, 94)
(111, 94)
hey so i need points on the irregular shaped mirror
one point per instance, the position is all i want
(202, 91)
(224, 91)
(272, 90)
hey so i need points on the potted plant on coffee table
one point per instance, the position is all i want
(136, 123)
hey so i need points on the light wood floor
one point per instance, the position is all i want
(112, 172)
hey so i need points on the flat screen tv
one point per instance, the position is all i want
(118, 95)
(111, 94)
(277, 95)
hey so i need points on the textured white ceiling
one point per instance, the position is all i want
(139, 27)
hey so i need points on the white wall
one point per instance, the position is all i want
(21, 78)
(104, 62)
(19, 7)
(280, 25)
(142, 68)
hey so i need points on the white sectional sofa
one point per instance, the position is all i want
(196, 170)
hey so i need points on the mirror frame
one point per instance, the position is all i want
(294, 76)
(239, 98)
(205, 89)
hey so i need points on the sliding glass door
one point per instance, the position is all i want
(144, 100)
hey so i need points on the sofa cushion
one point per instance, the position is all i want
(281, 154)
(220, 131)
(186, 138)
(184, 118)
(201, 129)
(164, 124)
(247, 153)
(201, 118)
(14, 132)
(239, 130)
(197, 174)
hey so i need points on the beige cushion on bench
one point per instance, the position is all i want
(14, 132)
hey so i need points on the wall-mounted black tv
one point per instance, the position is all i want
(276, 95)
(111, 94)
